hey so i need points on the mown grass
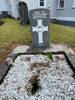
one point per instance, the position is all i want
(63, 34)
(12, 31)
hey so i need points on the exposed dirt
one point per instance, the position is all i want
(1, 23)
(6, 51)
(33, 85)
(40, 65)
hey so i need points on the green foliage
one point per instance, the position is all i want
(49, 55)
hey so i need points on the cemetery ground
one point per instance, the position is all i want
(40, 76)
(12, 33)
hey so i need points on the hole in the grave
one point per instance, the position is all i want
(34, 88)
(1, 23)
(33, 85)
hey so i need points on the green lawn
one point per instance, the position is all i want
(63, 34)
(12, 31)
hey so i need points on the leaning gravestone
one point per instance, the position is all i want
(40, 19)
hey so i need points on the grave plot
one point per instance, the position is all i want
(39, 77)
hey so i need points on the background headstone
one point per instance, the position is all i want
(40, 19)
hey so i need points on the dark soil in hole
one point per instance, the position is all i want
(34, 88)
(1, 23)
(33, 85)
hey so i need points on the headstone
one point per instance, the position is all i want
(40, 19)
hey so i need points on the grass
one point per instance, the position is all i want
(12, 31)
(63, 34)
(49, 55)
